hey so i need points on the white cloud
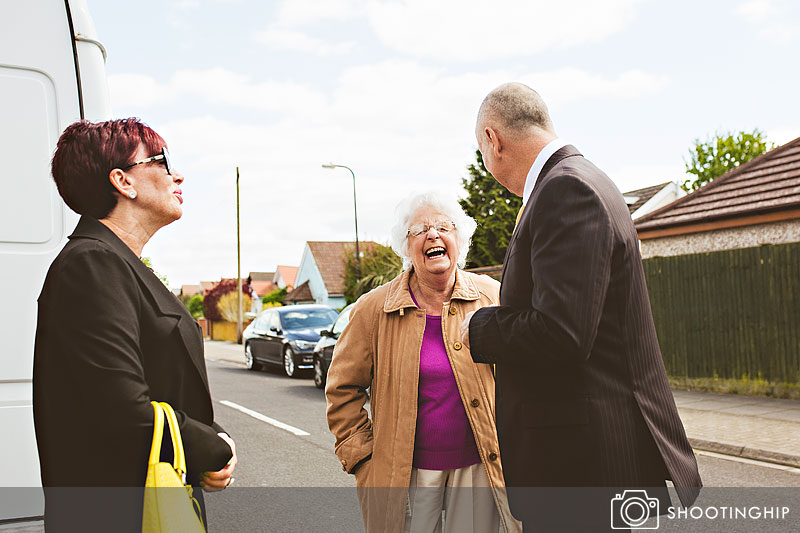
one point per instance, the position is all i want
(461, 30)
(138, 90)
(401, 126)
(468, 30)
(755, 10)
(772, 19)
(216, 86)
(294, 13)
(569, 85)
(277, 38)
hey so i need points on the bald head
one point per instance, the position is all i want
(516, 109)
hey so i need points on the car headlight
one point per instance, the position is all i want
(304, 345)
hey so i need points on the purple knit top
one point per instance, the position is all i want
(444, 439)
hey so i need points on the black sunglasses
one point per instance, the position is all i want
(164, 155)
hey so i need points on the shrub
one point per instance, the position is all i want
(223, 287)
(195, 306)
(275, 297)
(228, 305)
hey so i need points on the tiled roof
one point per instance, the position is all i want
(263, 287)
(262, 276)
(639, 197)
(288, 273)
(206, 286)
(767, 184)
(300, 294)
(190, 290)
(330, 259)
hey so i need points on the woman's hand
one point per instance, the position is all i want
(217, 481)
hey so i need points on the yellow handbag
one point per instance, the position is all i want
(169, 505)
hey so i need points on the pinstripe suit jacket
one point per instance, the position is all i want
(582, 393)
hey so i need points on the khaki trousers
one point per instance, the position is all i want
(463, 494)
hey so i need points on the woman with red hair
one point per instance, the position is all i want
(111, 338)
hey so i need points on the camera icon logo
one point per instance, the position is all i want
(632, 509)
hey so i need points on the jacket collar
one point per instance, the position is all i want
(556, 158)
(399, 297)
(165, 301)
(90, 228)
(561, 154)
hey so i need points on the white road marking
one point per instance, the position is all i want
(745, 460)
(264, 418)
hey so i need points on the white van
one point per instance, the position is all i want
(52, 73)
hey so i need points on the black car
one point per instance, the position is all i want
(285, 336)
(323, 351)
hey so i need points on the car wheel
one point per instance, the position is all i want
(288, 362)
(250, 361)
(319, 376)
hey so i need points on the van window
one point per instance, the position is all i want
(31, 130)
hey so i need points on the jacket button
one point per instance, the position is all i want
(456, 345)
(474, 402)
(453, 311)
(493, 456)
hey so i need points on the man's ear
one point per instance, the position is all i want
(493, 140)
(122, 182)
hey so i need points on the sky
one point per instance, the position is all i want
(391, 89)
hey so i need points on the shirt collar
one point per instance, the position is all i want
(533, 174)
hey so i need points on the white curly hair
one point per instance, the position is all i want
(407, 208)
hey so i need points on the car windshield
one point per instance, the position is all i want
(310, 318)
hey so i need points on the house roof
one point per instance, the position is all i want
(765, 189)
(288, 273)
(300, 294)
(330, 259)
(206, 286)
(636, 199)
(263, 287)
(262, 276)
(190, 290)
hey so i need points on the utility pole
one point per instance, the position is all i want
(238, 267)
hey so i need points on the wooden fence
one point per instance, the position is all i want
(730, 313)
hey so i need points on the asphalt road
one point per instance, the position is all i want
(288, 478)
(293, 482)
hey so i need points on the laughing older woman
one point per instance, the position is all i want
(430, 442)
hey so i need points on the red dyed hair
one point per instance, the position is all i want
(87, 152)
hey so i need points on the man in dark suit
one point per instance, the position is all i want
(583, 398)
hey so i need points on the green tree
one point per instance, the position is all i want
(494, 209)
(195, 306)
(721, 154)
(379, 265)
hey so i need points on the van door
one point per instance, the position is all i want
(47, 81)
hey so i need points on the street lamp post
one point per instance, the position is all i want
(355, 211)
(238, 268)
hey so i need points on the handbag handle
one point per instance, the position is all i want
(160, 411)
(179, 457)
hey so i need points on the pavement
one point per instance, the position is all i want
(750, 427)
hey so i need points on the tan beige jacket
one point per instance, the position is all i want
(380, 349)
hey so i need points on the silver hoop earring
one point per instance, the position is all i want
(132, 195)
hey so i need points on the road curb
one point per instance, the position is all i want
(745, 452)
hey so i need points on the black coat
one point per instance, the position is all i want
(110, 338)
(582, 394)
